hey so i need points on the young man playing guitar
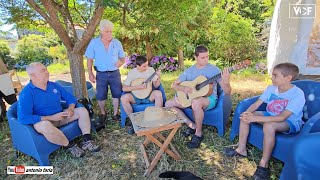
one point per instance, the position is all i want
(142, 71)
(199, 104)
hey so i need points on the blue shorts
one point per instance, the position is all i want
(142, 101)
(294, 126)
(212, 102)
(105, 79)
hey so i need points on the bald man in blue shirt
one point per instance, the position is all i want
(39, 105)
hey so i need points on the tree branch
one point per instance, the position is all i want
(89, 31)
(85, 20)
(53, 20)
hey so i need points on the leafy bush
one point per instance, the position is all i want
(170, 63)
(233, 37)
(33, 48)
(5, 54)
(58, 53)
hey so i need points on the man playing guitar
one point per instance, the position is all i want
(141, 71)
(199, 104)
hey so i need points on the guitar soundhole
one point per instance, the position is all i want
(198, 87)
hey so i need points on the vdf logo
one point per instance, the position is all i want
(302, 11)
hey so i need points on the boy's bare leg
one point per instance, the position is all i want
(269, 131)
(176, 106)
(127, 100)
(243, 135)
(156, 97)
(198, 107)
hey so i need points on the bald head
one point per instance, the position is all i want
(38, 73)
(32, 67)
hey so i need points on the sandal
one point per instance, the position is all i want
(189, 131)
(90, 146)
(261, 173)
(230, 152)
(195, 142)
(76, 151)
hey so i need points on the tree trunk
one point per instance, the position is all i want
(77, 74)
(148, 49)
(180, 59)
(3, 67)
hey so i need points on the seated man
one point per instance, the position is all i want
(141, 71)
(199, 104)
(39, 105)
(284, 112)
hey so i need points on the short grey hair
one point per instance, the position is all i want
(105, 24)
(31, 67)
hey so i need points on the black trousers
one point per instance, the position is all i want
(10, 99)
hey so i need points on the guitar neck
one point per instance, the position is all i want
(211, 80)
(150, 78)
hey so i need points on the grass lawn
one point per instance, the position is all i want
(120, 157)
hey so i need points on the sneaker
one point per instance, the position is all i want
(103, 117)
(230, 152)
(90, 146)
(131, 130)
(116, 118)
(195, 141)
(76, 151)
(189, 131)
(128, 122)
(261, 173)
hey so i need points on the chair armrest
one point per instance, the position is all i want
(241, 107)
(307, 127)
(22, 135)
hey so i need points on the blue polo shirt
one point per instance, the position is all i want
(105, 59)
(34, 102)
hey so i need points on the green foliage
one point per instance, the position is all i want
(58, 53)
(33, 48)
(232, 37)
(5, 54)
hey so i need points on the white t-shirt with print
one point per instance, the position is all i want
(292, 100)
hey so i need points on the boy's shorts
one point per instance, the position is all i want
(141, 101)
(294, 126)
(212, 102)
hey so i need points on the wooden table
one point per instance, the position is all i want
(154, 135)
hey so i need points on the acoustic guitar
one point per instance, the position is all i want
(200, 86)
(143, 93)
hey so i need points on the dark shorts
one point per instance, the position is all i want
(294, 126)
(105, 79)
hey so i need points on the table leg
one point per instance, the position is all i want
(172, 147)
(162, 149)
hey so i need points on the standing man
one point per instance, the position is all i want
(200, 104)
(109, 57)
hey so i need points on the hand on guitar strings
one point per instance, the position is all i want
(187, 90)
(225, 75)
(142, 86)
(158, 73)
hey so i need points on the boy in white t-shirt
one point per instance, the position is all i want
(285, 103)
(141, 71)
